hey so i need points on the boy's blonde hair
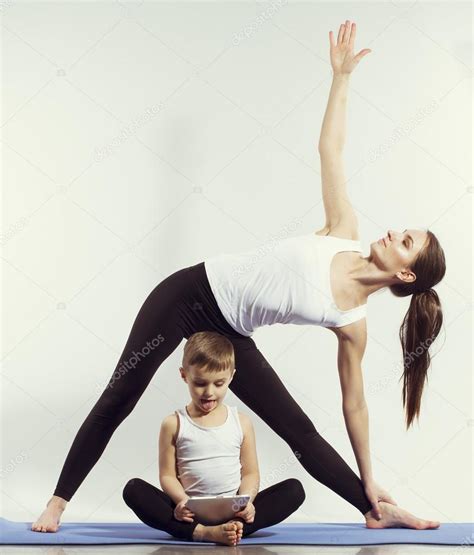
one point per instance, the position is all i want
(209, 349)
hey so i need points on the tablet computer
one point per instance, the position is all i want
(215, 509)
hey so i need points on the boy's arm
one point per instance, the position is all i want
(250, 474)
(167, 460)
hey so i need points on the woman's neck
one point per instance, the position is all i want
(367, 278)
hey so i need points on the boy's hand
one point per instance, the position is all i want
(181, 512)
(247, 513)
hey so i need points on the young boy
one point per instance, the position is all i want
(208, 448)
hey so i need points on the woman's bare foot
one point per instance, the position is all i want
(49, 519)
(228, 533)
(394, 516)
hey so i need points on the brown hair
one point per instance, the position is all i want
(209, 349)
(422, 322)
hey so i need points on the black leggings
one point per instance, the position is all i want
(156, 509)
(180, 305)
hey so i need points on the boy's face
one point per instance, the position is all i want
(207, 389)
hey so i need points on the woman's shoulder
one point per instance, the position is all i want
(355, 332)
(340, 231)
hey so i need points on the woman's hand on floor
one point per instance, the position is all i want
(247, 513)
(375, 493)
(342, 56)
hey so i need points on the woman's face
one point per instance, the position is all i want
(396, 252)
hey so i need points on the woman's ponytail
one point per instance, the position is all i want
(420, 327)
(421, 324)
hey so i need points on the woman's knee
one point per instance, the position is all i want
(113, 408)
(300, 433)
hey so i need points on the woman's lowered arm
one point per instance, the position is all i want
(351, 348)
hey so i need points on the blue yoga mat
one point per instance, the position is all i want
(69, 533)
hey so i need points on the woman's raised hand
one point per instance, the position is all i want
(342, 56)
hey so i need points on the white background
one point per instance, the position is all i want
(140, 138)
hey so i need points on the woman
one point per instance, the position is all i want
(318, 278)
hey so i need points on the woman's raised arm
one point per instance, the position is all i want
(333, 131)
(343, 62)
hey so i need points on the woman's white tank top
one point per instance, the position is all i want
(208, 458)
(285, 283)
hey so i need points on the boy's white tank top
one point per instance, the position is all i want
(208, 458)
(283, 283)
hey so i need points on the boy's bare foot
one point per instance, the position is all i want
(49, 519)
(240, 529)
(394, 516)
(226, 533)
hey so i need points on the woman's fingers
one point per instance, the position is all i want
(352, 36)
(378, 511)
(341, 34)
(347, 32)
(376, 508)
(389, 499)
(346, 35)
(361, 54)
(374, 501)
